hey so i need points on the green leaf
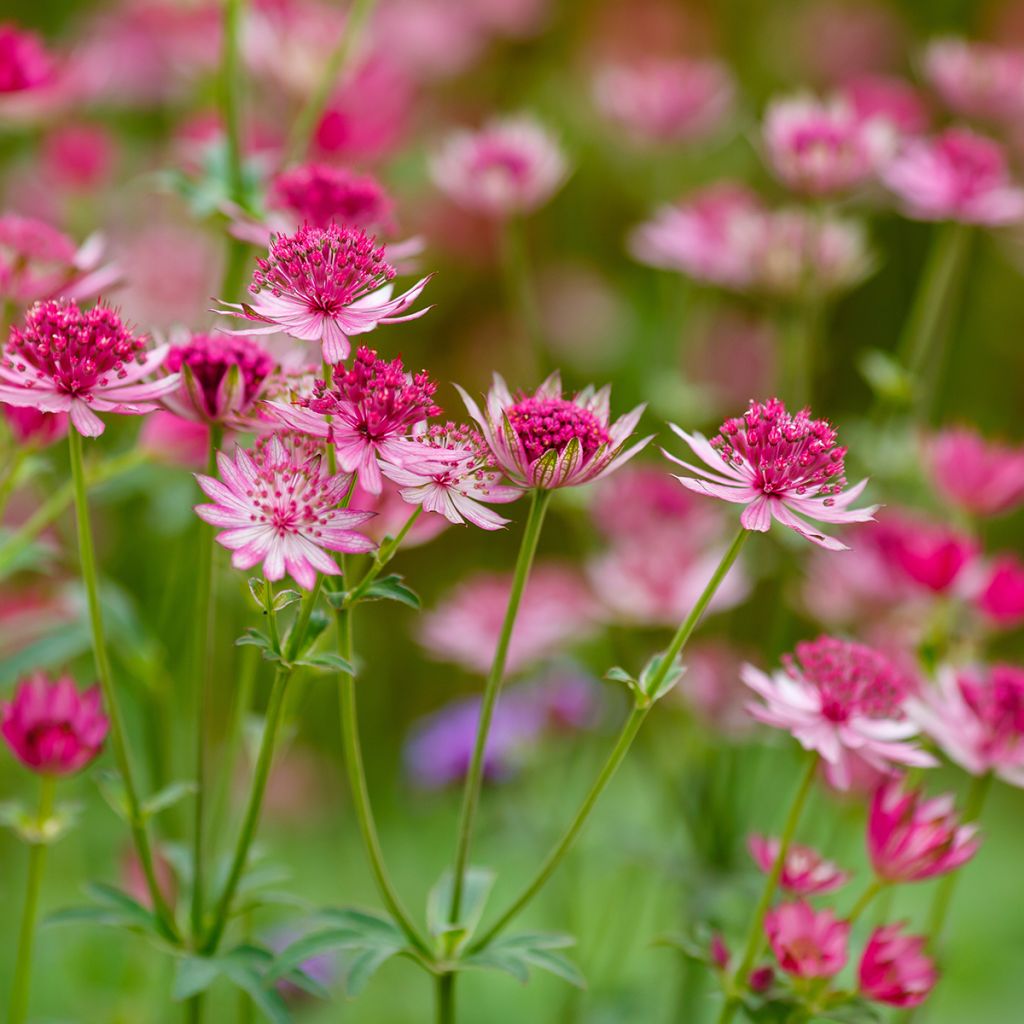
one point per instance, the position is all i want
(476, 888)
(112, 908)
(328, 661)
(651, 670)
(886, 376)
(391, 588)
(254, 638)
(361, 967)
(168, 797)
(194, 974)
(111, 789)
(245, 967)
(517, 954)
(620, 675)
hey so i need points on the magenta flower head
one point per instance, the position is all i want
(52, 727)
(369, 406)
(911, 838)
(981, 477)
(24, 62)
(805, 872)
(842, 700)
(780, 466)
(894, 968)
(976, 80)
(546, 441)
(325, 284)
(808, 943)
(65, 359)
(1001, 597)
(956, 176)
(933, 555)
(511, 166)
(893, 101)
(319, 194)
(276, 505)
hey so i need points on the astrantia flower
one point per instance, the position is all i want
(805, 872)
(892, 101)
(30, 426)
(447, 469)
(65, 359)
(318, 194)
(979, 476)
(544, 440)
(325, 284)
(368, 408)
(808, 943)
(53, 728)
(977, 79)
(642, 498)
(840, 699)
(779, 466)
(1001, 597)
(276, 505)
(24, 62)
(894, 968)
(911, 838)
(933, 555)
(510, 166)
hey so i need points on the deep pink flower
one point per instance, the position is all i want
(369, 407)
(977, 79)
(53, 728)
(840, 699)
(545, 441)
(65, 359)
(24, 62)
(931, 554)
(977, 717)
(911, 838)
(807, 943)
(30, 426)
(955, 176)
(780, 467)
(981, 477)
(325, 284)
(894, 968)
(510, 166)
(276, 505)
(805, 872)
(79, 156)
(318, 194)
(892, 101)
(1001, 598)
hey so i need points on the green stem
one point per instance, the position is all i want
(384, 555)
(866, 897)
(444, 1003)
(522, 299)
(26, 940)
(140, 835)
(231, 87)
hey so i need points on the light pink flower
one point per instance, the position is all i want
(325, 284)
(1001, 597)
(976, 79)
(546, 441)
(24, 62)
(640, 498)
(808, 943)
(892, 101)
(368, 408)
(840, 699)
(713, 690)
(805, 872)
(679, 100)
(933, 555)
(32, 427)
(53, 728)
(80, 362)
(276, 505)
(955, 176)
(79, 156)
(510, 166)
(976, 716)
(392, 513)
(783, 467)
(170, 437)
(894, 968)
(911, 838)
(979, 476)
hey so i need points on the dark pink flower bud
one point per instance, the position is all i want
(894, 968)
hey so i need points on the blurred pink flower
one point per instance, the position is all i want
(805, 872)
(732, 355)
(33, 427)
(712, 688)
(841, 38)
(317, 194)
(53, 728)
(24, 61)
(641, 498)
(392, 512)
(778, 466)
(1001, 598)
(431, 39)
(177, 440)
(277, 506)
(808, 943)
(894, 969)
(911, 838)
(976, 79)
(979, 476)
(888, 99)
(931, 554)
(79, 156)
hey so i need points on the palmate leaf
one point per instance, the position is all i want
(517, 954)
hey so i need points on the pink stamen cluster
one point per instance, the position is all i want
(319, 194)
(544, 423)
(291, 491)
(24, 63)
(210, 358)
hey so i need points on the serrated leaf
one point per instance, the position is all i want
(168, 797)
(476, 888)
(361, 968)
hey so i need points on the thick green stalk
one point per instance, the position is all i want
(444, 1001)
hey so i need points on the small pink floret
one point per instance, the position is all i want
(808, 943)
(894, 968)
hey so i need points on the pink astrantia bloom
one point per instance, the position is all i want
(892, 101)
(840, 699)
(65, 359)
(808, 943)
(780, 466)
(977, 717)
(956, 176)
(325, 284)
(894, 968)
(24, 62)
(643, 497)
(1001, 597)
(53, 728)
(32, 427)
(366, 410)
(911, 838)
(510, 166)
(805, 872)
(981, 477)
(276, 505)
(447, 469)
(545, 441)
(932, 555)
(976, 79)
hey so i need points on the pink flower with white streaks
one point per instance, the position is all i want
(369, 407)
(894, 968)
(679, 100)
(65, 359)
(976, 716)
(982, 477)
(780, 466)
(840, 699)
(892, 101)
(1001, 595)
(808, 943)
(447, 469)
(511, 166)
(804, 873)
(976, 79)
(911, 838)
(546, 441)
(275, 504)
(325, 284)
(24, 62)
(956, 176)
